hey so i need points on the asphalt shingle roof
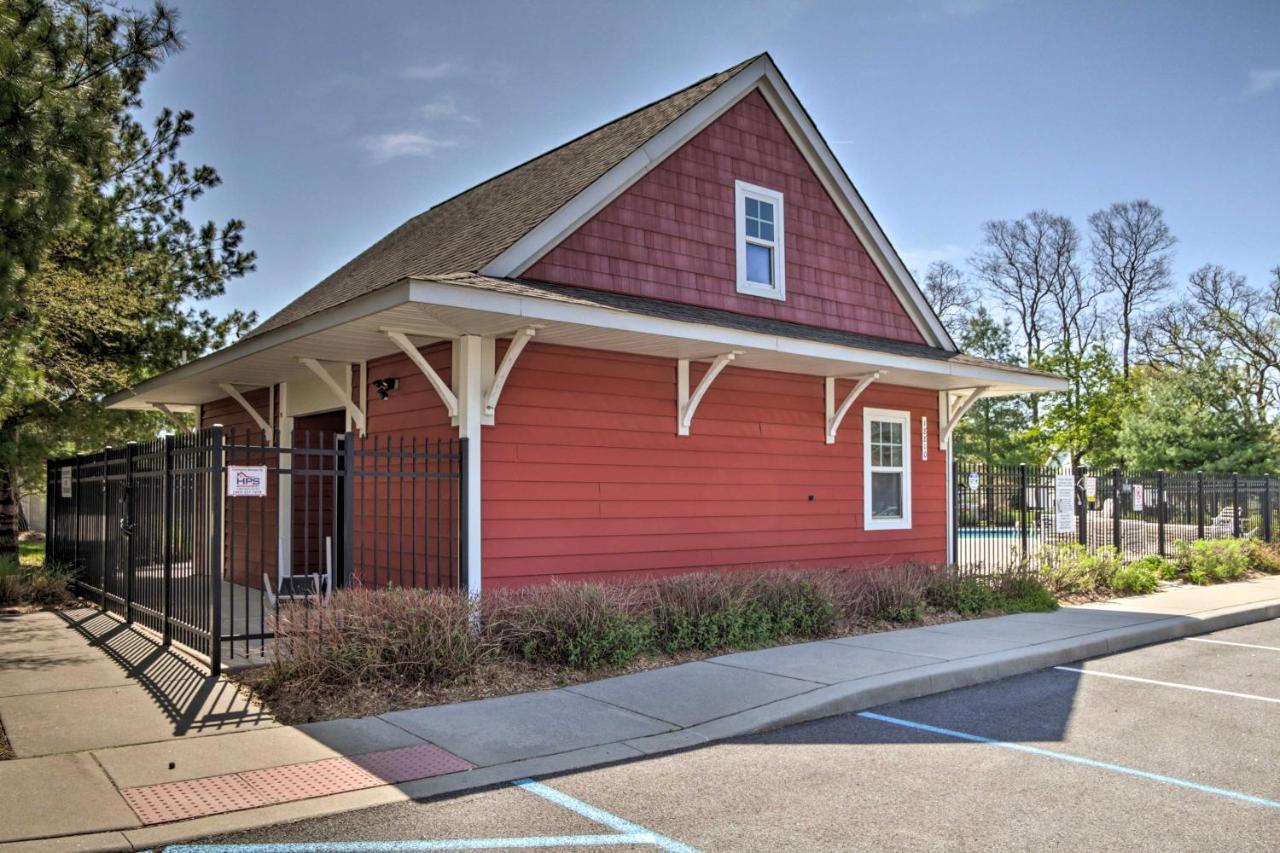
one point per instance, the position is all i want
(466, 232)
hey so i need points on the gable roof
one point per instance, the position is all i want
(501, 227)
(471, 229)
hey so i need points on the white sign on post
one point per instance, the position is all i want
(246, 481)
(1064, 503)
(64, 487)
(1139, 498)
(1091, 488)
(973, 481)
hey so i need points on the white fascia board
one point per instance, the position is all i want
(526, 251)
(548, 310)
(764, 75)
(379, 300)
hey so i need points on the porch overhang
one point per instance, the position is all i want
(442, 308)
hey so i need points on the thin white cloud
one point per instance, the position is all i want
(918, 260)
(388, 146)
(446, 108)
(1263, 80)
(432, 71)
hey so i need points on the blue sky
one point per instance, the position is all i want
(333, 122)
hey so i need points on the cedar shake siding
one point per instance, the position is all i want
(671, 235)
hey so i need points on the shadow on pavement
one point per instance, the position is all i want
(192, 700)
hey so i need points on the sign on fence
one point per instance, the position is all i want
(1139, 498)
(1091, 488)
(973, 481)
(64, 487)
(246, 481)
(1064, 503)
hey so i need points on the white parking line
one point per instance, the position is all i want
(1170, 684)
(1227, 643)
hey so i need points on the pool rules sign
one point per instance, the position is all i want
(246, 481)
(1064, 503)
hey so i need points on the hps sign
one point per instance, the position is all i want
(246, 481)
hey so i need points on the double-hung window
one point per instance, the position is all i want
(886, 440)
(761, 266)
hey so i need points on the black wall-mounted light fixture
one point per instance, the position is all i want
(384, 387)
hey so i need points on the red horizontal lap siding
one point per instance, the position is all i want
(585, 477)
(671, 235)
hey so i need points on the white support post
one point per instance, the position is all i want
(957, 411)
(232, 392)
(406, 346)
(468, 373)
(518, 343)
(284, 490)
(344, 397)
(686, 403)
(836, 415)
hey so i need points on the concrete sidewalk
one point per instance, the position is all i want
(106, 746)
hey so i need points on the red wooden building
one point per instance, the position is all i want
(677, 342)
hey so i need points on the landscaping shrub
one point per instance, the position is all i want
(1071, 569)
(584, 625)
(895, 594)
(966, 596)
(1207, 561)
(1024, 594)
(1136, 578)
(739, 610)
(38, 585)
(363, 636)
(1264, 557)
(1163, 569)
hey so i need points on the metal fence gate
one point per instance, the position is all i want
(199, 537)
(1007, 517)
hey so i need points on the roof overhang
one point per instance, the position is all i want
(442, 309)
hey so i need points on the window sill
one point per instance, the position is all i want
(746, 289)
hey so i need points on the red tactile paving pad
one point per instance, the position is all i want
(313, 779)
(414, 762)
(193, 798)
(172, 801)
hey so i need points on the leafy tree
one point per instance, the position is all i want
(1082, 421)
(102, 279)
(993, 431)
(1191, 421)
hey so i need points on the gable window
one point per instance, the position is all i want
(886, 441)
(761, 268)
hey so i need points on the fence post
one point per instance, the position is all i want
(216, 471)
(348, 503)
(1160, 512)
(1022, 507)
(1235, 506)
(1199, 504)
(1082, 501)
(106, 513)
(166, 536)
(1266, 507)
(464, 579)
(50, 534)
(1116, 538)
(126, 531)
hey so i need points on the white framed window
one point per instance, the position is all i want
(761, 265)
(886, 442)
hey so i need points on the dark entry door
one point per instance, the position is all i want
(317, 492)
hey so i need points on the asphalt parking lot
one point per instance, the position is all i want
(1169, 747)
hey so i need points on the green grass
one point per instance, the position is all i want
(31, 553)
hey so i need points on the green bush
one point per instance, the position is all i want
(896, 595)
(585, 625)
(966, 596)
(1022, 594)
(1136, 578)
(1071, 569)
(1158, 566)
(1207, 561)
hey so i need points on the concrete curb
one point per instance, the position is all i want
(826, 701)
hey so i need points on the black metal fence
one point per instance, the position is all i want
(200, 537)
(1011, 517)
